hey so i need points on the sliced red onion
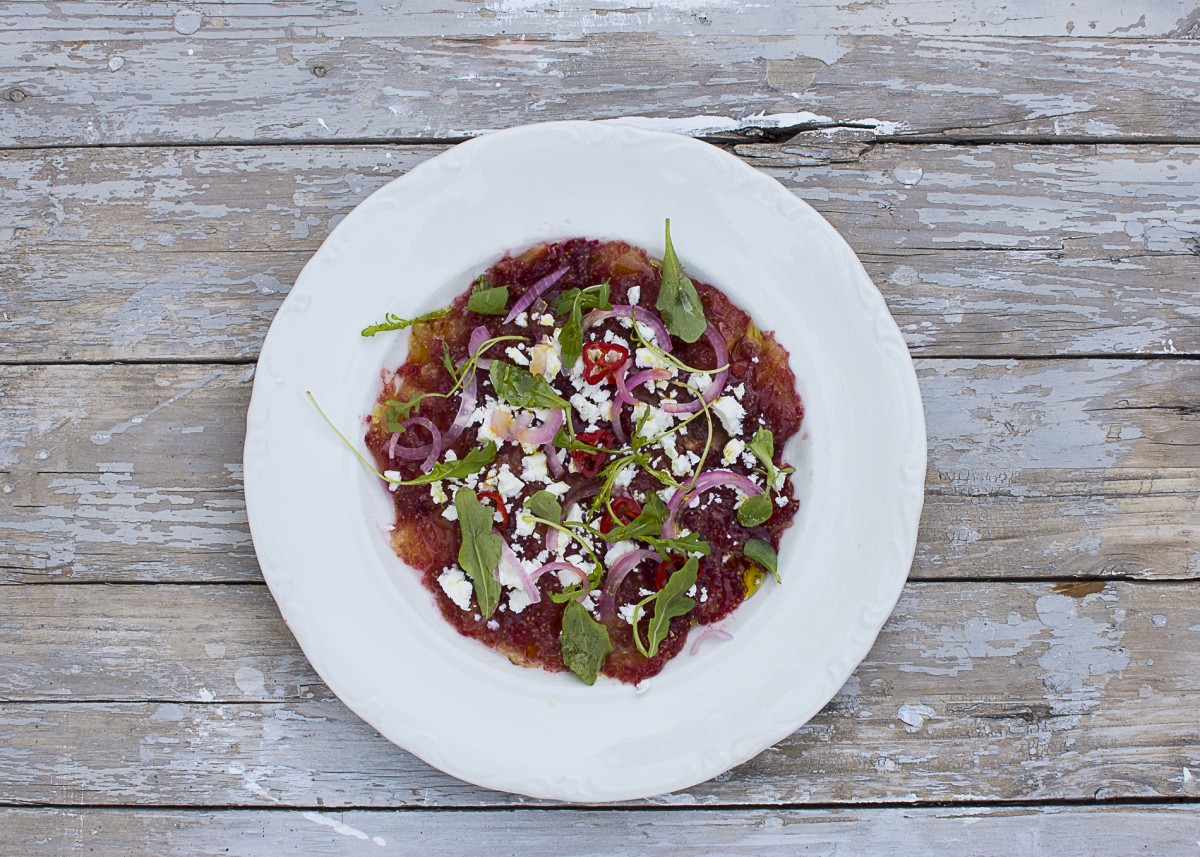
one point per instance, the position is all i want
(553, 537)
(466, 407)
(534, 292)
(509, 559)
(706, 481)
(616, 575)
(429, 452)
(580, 491)
(661, 337)
(705, 633)
(718, 380)
(558, 566)
(626, 386)
(545, 433)
(553, 464)
(479, 336)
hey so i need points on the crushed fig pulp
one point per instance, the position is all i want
(429, 542)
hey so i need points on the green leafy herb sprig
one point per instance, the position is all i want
(391, 321)
(677, 298)
(479, 553)
(486, 299)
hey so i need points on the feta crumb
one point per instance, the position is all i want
(665, 494)
(730, 411)
(456, 586)
(739, 391)
(703, 594)
(493, 625)
(589, 410)
(732, 450)
(657, 421)
(508, 485)
(516, 356)
(781, 500)
(618, 550)
(635, 294)
(525, 524)
(749, 460)
(534, 468)
(546, 320)
(450, 513)
(522, 320)
(647, 359)
(437, 492)
(680, 466)
(625, 476)
(518, 600)
(626, 612)
(558, 488)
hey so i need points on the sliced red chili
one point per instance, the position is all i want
(498, 504)
(666, 568)
(626, 510)
(601, 360)
(587, 462)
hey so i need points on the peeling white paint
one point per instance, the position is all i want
(1084, 653)
(913, 716)
(341, 827)
(102, 438)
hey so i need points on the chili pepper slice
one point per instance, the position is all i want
(591, 463)
(498, 503)
(626, 509)
(666, 568)
(601, 360)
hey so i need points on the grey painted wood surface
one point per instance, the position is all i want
(1001, 250)
(101, 73)
(1037, 468)
(973, 692)
(1071, 832)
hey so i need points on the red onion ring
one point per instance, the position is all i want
(429, 452)
(718, 381)
(617, 574)
(552, 462)
(581, 490)
(466, 407)
(514, 564)
(705, 633)
(556, 566)
(520, 428)
(662, 338)
(625, 387)
(534, 292)
(704, 482)
(545, 433)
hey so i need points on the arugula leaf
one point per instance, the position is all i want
(522, 389)
(648, 523)
(669, 603)
(448, 361)
(545, 505)
(570, 338)
(761, 552)
(677, 298)
(479, 554)
(593, 297)
(755, 510)
(585, 643)
(763, 447)
(689, 544)
(396, 413)
(391, 321)
(488, 301)
(473, 462)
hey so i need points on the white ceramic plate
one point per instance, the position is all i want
(372, 631)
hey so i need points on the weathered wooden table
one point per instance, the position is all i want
(1021, 179)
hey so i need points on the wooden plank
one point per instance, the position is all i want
(973, 692)
(1051, 468)
(101, 73)
(994, 251)
(1075, 831)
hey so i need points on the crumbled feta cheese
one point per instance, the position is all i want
(625, 476)
(522, 320)
(657, 421)
(626, 612)
(492, 412)
(618, 550)
(781, 500)
(665, 494)
(730, 411)
(703, 594)
(668, 446)
(635, 294)
(534, 468)
(546, 359)
(508, 484)
(450, 513)
(456, 586)
(680, 466)
(450, 455)
(525, 524)
(516, 356)
(437, 492)
(691, 593)
(518, 600)
(647, 359)
(779, 477)
(546, 320)
(732, 450)
(593, 403)
(739, 391)
(566, 577)
(493, 625)
(749, 460)
(558, 488)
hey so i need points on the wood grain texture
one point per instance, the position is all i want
(1074, 832)
(973, 692)
(105, 73)
(1051, 468)
(1003, 250)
